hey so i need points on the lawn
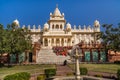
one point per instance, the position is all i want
(110, 68)
(24, 68)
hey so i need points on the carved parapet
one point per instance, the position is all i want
(34, 29)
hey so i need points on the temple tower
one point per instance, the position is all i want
(57, 21)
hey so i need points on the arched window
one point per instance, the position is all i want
(57, 26)
(53, 26)
(61, 26)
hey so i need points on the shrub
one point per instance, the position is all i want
(41, 77)
(83, 71)
(99, 75)
(18, 76)
(118, 74)
(1, 64)
(117, 62)
(50, 72)
(70, 74)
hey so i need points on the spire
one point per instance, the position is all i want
(57, 12)
(56, 5)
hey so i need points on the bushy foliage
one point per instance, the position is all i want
(50, 72)
(14, 40)
(98, 75)
(111, 37)
(18, 76)
(1, 64)
(118, 74)
(117, 62)
(83, 71)
(41, 77)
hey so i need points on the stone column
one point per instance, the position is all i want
(43, 42)
(71, 42)
(54, 41)
(48, 41)
(64, 41)
(60, 42)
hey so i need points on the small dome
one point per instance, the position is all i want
(46, 26)
(16, 22)
(68, 26)
(96, 23)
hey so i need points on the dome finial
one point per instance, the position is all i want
(56, 5)
(57, 12)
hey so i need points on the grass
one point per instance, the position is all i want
(109, 68)
(24, 68)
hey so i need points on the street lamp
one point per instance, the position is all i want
(76, 53)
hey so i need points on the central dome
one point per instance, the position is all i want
(57, 12)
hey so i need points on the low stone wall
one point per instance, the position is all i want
(113, 56)
(83, 78)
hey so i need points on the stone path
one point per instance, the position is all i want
(103, 74)
(63, 70)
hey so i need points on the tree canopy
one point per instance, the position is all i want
(14, 40)
(111, 37)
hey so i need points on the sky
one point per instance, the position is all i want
(77, 12)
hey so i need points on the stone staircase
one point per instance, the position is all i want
(47, 56)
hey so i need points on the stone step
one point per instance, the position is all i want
(48, 56)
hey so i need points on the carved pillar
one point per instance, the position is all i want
(91, 56)
(43, 42)
(60, 41)
(48, 42)
(65, 42)
(54, 41)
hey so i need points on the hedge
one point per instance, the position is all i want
(41, 77)
(50, 72)
(83, 71)
(117, 62)
(118, 74)
(18, 76)
(1, 64)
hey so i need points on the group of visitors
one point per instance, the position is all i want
(61, 50)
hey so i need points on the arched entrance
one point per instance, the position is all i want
(46, 42)
(68, 42)
(57, 42)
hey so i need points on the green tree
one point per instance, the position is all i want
(1, 41)
(111, 37)
(18, 40)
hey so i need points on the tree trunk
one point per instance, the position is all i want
(17, 58)
(8, 59)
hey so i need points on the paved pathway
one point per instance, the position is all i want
(63, 70)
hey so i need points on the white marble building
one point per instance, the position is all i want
(58, 32)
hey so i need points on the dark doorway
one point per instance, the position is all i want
(30, 57)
